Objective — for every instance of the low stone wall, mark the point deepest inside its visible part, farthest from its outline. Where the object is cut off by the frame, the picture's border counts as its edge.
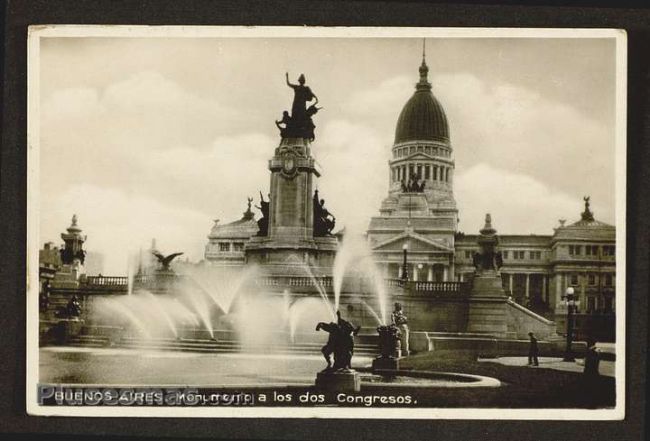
(487, 347)
(425, 313)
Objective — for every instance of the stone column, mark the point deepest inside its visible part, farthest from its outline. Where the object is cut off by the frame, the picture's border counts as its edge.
(510, 282)
(583, 297)
(415, 272)
(558, 290)
(430, 274)
(527, 286)
(445, 274)
(544, 293)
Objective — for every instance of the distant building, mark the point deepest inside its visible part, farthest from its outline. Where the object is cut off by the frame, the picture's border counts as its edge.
(537, 269)
(420, 215)
(226, 242)
(49, 262)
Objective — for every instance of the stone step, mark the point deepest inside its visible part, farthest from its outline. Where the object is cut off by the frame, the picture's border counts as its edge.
(200, 342)
(209, 346)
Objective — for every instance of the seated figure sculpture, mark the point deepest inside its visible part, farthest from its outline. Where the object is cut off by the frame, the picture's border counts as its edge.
(286, 120)
(324, 221)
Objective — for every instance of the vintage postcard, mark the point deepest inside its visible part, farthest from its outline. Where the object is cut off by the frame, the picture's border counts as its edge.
(326, 222)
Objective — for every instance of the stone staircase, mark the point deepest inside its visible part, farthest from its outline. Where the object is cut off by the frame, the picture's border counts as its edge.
(210, 346)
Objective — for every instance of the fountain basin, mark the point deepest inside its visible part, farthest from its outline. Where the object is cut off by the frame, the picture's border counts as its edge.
(433, 379)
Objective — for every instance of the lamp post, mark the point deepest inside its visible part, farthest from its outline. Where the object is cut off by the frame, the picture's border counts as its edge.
(405, 273)
(570, 304)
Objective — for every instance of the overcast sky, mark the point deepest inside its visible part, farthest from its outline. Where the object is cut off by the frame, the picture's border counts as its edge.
(152, 137)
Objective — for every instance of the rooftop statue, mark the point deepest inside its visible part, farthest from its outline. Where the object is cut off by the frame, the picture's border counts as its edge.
(587, 215)
(299, 124)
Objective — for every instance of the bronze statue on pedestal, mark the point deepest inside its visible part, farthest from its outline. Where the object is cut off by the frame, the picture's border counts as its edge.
(299, 124)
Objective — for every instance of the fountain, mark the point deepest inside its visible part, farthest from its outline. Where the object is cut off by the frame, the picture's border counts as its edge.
(291, 263)
(273, 300)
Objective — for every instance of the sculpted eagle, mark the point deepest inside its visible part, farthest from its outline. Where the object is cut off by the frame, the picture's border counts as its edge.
(165, 261)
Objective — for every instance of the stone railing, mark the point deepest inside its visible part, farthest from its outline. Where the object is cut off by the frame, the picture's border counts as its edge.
(160, 279)
(123, 281)
(106, 281)
(294, 281)
(424, 288)
(438, 286)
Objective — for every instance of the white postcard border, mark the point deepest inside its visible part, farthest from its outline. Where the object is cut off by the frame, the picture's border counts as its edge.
(36, 32)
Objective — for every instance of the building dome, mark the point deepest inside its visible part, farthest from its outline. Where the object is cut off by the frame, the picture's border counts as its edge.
(422, 118)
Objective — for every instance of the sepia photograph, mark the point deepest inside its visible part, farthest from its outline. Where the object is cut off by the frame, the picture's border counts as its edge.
(332, 222)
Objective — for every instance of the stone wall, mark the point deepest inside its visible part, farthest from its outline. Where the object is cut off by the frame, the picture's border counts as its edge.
(521, 321)
(443, 314)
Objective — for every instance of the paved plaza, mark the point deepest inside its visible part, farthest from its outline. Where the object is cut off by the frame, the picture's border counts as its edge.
(605, 367)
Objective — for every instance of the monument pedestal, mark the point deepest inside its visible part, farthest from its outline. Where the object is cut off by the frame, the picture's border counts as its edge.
(339, 381)
(487, 308)
(385, 363)
(290, 237)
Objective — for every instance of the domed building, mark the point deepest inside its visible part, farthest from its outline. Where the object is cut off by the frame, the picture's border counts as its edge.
(416, 238)
(420, 212)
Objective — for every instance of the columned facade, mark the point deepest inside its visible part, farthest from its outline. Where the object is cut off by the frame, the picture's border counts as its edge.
(419, 213)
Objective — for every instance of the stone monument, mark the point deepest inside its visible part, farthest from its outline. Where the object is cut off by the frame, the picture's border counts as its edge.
(72, 257)
(295, 226)
(487, 309)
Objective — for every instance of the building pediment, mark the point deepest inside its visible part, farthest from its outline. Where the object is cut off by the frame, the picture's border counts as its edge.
(415, 243)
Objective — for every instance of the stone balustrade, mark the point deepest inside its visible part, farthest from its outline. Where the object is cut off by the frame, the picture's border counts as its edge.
(422, 288)
(106, 281)
(294, 281)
